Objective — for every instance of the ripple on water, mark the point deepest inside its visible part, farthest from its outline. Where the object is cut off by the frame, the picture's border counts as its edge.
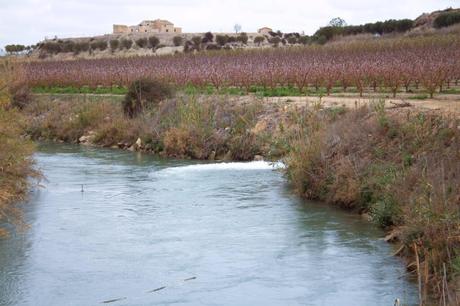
(144, 223)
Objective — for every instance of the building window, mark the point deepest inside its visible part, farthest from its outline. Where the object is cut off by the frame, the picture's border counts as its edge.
(145, 31)
(167, 30)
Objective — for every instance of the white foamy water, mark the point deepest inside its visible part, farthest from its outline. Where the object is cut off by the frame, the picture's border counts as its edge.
(243, 166)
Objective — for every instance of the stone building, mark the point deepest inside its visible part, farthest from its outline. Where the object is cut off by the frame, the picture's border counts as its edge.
(148, 26)
(264, 30)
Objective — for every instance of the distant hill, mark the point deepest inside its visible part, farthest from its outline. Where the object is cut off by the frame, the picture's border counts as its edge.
(138, 44)
(426, 20)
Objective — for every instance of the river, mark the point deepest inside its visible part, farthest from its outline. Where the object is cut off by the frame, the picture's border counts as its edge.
(112, 227)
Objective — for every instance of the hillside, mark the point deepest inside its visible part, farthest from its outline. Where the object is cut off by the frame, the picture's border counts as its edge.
(141, 44)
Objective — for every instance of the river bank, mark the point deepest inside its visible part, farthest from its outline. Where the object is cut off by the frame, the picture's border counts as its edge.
(16, 163)
(398, 167)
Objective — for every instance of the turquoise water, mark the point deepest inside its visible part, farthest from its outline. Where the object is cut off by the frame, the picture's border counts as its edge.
(147, 231)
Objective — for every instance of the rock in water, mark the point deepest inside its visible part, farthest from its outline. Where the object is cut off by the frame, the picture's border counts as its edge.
(139, 143)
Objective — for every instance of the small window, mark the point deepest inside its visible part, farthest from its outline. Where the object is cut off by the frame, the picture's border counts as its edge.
(167, 30)
(146, 31)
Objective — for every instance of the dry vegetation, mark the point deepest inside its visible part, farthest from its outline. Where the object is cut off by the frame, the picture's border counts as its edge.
(184, 127)
(15, 153)
(401, 168)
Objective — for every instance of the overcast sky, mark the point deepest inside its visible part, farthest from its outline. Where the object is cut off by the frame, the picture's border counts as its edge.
(29, 21)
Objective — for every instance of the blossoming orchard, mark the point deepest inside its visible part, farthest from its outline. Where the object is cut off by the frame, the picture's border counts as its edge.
(421, 63)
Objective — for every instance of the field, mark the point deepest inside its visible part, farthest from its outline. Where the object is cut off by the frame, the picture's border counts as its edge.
(418, 64)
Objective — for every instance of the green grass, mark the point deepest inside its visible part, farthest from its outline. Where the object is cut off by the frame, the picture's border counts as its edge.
(114, 90)
(419, 97)
(451, 91)
(259, 91)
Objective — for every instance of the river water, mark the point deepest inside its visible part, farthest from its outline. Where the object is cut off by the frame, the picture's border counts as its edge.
(147, 231)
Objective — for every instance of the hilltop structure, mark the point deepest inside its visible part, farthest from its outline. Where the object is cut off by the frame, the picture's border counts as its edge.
(264, 30)
(148, 26)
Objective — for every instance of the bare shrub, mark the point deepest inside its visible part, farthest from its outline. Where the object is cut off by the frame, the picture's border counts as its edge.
(143, 94)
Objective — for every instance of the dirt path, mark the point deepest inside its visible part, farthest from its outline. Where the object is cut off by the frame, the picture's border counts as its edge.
(445, 103)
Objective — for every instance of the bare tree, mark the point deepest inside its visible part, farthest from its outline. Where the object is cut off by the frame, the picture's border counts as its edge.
(237, 28)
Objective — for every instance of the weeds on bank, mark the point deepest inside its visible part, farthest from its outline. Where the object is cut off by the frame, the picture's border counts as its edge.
(16, 164)
(400, 167)
(184, 126)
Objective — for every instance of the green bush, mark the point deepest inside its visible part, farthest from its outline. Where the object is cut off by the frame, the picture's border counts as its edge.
(221, 39)
(142, 42)
(259, 39)
(275, 41)
(114, 44)
(68, 46)
(144, 94)
(153, 42)
(51, 47)
(304, 40)
(126, 44)
(197, 42)
(81, 47)
(243, 38)
(292, 40)
(177, 41)
(14, 48)
(99, 44)
(446, 19)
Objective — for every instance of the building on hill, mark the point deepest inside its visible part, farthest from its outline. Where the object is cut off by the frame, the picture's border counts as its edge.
(264, 30)
(148, 26)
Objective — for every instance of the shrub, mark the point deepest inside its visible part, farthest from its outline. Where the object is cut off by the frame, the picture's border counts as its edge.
(177, 41)
(114, 44)
(142, 42)
(304, 40)
(292, 40)
(144, 94)
(99, 44)
(208, 37)
(196, 42)
(243, 38)
(446, 19)
(188, 46)
(275, 41)
(81, 47)
(20, 95)
(213, 47)
(14, 48)
(153, 42)
(126, 43)
(259, 39)
(68, 46)
(222, 39)
(51, 47)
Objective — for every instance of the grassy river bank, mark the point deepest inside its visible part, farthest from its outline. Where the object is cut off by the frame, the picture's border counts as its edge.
(16, 164)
